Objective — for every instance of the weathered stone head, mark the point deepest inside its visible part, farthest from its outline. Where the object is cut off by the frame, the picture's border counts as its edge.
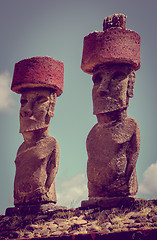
(39, 80)
(113, 86)
(37, 107)
(112, 57)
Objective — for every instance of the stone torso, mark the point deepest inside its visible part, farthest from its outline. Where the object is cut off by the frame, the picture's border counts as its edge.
(108, 148)
(36, 167)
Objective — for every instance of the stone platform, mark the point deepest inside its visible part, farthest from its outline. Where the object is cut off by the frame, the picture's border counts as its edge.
(28, 209)
(107, 203)
(134, 221)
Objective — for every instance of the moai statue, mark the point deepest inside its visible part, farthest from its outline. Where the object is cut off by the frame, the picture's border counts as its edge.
(39, 80)
(113, 144)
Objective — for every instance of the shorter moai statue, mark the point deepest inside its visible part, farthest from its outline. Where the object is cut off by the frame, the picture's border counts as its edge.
(39, 80)
(113, 144)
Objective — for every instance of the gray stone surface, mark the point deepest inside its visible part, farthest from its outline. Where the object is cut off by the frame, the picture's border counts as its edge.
(113, 143)
(37, 158)
(107, 203)
(28, 209)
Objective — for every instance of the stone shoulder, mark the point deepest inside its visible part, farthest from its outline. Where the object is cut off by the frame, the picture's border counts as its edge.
(121, 130)
(48, 141)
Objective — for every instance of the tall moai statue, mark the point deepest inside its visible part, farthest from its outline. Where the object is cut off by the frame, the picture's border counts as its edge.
(39, 80)
(113, 144)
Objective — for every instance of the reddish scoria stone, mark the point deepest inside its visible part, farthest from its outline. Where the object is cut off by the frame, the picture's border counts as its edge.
(38, 72)
(114, 45)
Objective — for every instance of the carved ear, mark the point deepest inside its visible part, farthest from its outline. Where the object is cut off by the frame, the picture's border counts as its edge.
(52, 104)
(131, 83)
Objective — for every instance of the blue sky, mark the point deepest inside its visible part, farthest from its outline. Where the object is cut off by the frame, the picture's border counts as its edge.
(56, 28)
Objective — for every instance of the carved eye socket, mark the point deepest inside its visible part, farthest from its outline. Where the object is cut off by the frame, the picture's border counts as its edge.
(97, 78)
(23, 102)
(41, 99)
(119, 76)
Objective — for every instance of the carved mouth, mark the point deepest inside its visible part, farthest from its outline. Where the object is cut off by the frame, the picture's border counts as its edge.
(27, 118)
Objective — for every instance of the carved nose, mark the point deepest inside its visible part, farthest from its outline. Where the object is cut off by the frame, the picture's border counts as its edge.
(26, 112)
(103, 92)
(103, 89)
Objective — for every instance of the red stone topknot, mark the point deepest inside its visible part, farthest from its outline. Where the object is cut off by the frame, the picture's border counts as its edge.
(115, 20)
(38, 72)
(114, 45)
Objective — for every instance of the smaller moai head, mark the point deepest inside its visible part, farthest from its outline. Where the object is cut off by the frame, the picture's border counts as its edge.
(37, 107)
(113, 86)
(40, 81)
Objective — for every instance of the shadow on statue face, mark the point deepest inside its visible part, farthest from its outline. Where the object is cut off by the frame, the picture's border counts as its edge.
(37, 106)
(110, 90)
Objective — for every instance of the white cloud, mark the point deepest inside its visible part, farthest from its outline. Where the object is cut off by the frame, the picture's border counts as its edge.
(148, 186)
(6, 96)
(72, 192)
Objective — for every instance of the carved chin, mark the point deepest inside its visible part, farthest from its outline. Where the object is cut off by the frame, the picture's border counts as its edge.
(109, 105)
(31, 125)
